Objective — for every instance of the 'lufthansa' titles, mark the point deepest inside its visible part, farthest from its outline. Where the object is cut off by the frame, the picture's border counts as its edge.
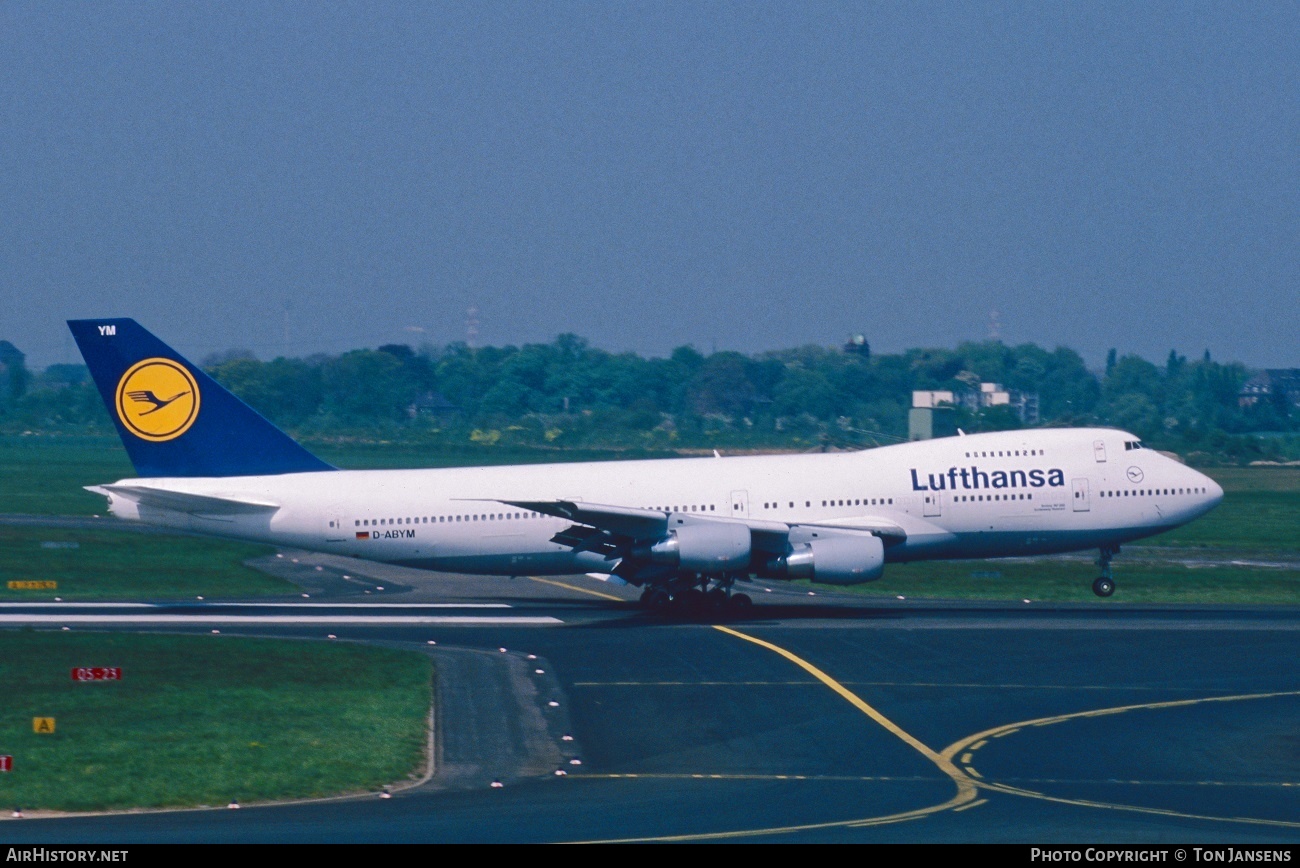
(972, 478)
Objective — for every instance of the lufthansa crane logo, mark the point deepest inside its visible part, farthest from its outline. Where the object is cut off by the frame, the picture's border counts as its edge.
(157, 399)
(1134, 474)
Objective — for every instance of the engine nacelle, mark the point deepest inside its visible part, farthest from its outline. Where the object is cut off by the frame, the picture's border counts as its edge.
(708, 547)
(834, 560)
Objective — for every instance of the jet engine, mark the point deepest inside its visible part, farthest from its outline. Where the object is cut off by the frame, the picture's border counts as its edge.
(710, 547)
(833, 560)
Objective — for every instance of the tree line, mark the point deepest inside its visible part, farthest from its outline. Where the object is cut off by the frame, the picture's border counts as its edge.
(569, 394)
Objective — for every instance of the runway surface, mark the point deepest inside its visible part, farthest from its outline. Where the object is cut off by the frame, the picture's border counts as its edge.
(816, 718)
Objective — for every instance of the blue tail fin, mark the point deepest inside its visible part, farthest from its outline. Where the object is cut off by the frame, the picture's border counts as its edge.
(174, 419)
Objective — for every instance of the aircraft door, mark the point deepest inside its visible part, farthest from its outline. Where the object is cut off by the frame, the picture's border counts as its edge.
(740, 504)
(1080, 495)
(932, 502)
(334, 525)
(1099, 451)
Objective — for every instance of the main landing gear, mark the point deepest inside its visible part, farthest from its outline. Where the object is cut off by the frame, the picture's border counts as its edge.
(693, 594)
(1104, 586)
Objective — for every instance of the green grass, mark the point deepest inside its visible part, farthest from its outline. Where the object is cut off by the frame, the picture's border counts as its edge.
(394, 456)
(1064, 581)
(201, 720)
(45, 475)
(1263, 520)
(122, 565)
(1260, 510)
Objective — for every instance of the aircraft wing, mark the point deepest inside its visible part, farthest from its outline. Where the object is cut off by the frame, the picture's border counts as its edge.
(614, 531)
(182, 501)
(626, 521)
(888, 530)
(642, 524)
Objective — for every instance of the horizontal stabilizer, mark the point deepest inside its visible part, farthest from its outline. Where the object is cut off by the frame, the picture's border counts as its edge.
(183, 501)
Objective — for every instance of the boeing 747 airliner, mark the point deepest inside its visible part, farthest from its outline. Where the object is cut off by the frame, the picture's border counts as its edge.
(686, 530)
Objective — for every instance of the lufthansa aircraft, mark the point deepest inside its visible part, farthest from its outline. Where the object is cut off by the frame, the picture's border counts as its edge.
(686, 530)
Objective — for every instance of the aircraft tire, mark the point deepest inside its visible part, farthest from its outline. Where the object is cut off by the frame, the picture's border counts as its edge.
(740, 604)
(655, 599)
(1103, 587)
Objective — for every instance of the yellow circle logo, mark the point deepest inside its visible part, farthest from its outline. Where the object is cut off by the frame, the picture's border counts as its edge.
(157, 399)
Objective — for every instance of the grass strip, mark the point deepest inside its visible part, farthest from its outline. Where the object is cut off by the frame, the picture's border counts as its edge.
(45, 475)
(114, 564)
(1070, 581)
(202, 720)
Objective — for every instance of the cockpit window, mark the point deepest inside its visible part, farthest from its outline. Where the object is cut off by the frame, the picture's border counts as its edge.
(1132, 444)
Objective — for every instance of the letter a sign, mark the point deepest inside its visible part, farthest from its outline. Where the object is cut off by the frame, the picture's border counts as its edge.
(43, 725)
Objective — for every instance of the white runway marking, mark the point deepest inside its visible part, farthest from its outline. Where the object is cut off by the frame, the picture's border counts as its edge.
(369, 605)
(72, 604)
(256, 620)
(366, 605)
(4, 606)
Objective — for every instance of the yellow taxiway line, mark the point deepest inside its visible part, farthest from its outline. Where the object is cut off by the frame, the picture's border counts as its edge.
(967, 791)
(972, 743)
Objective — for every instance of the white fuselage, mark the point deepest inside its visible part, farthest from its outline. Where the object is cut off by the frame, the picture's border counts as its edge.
(983, 495)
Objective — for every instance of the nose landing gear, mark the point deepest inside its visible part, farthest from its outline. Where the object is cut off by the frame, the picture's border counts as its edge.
(1104, 586)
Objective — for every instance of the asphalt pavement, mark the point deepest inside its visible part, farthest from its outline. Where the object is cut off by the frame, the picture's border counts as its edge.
(814, 718)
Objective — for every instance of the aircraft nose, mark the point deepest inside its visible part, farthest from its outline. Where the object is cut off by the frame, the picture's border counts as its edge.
(1213, 491)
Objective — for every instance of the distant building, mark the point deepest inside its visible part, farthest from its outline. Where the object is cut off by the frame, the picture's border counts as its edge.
(13, 373)
(926, 419)
(433, 404)
(933, 400)
(858, 346)
(1265, 384)
(931, 415)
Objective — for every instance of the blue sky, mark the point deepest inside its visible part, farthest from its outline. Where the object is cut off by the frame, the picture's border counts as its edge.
(312, 177)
